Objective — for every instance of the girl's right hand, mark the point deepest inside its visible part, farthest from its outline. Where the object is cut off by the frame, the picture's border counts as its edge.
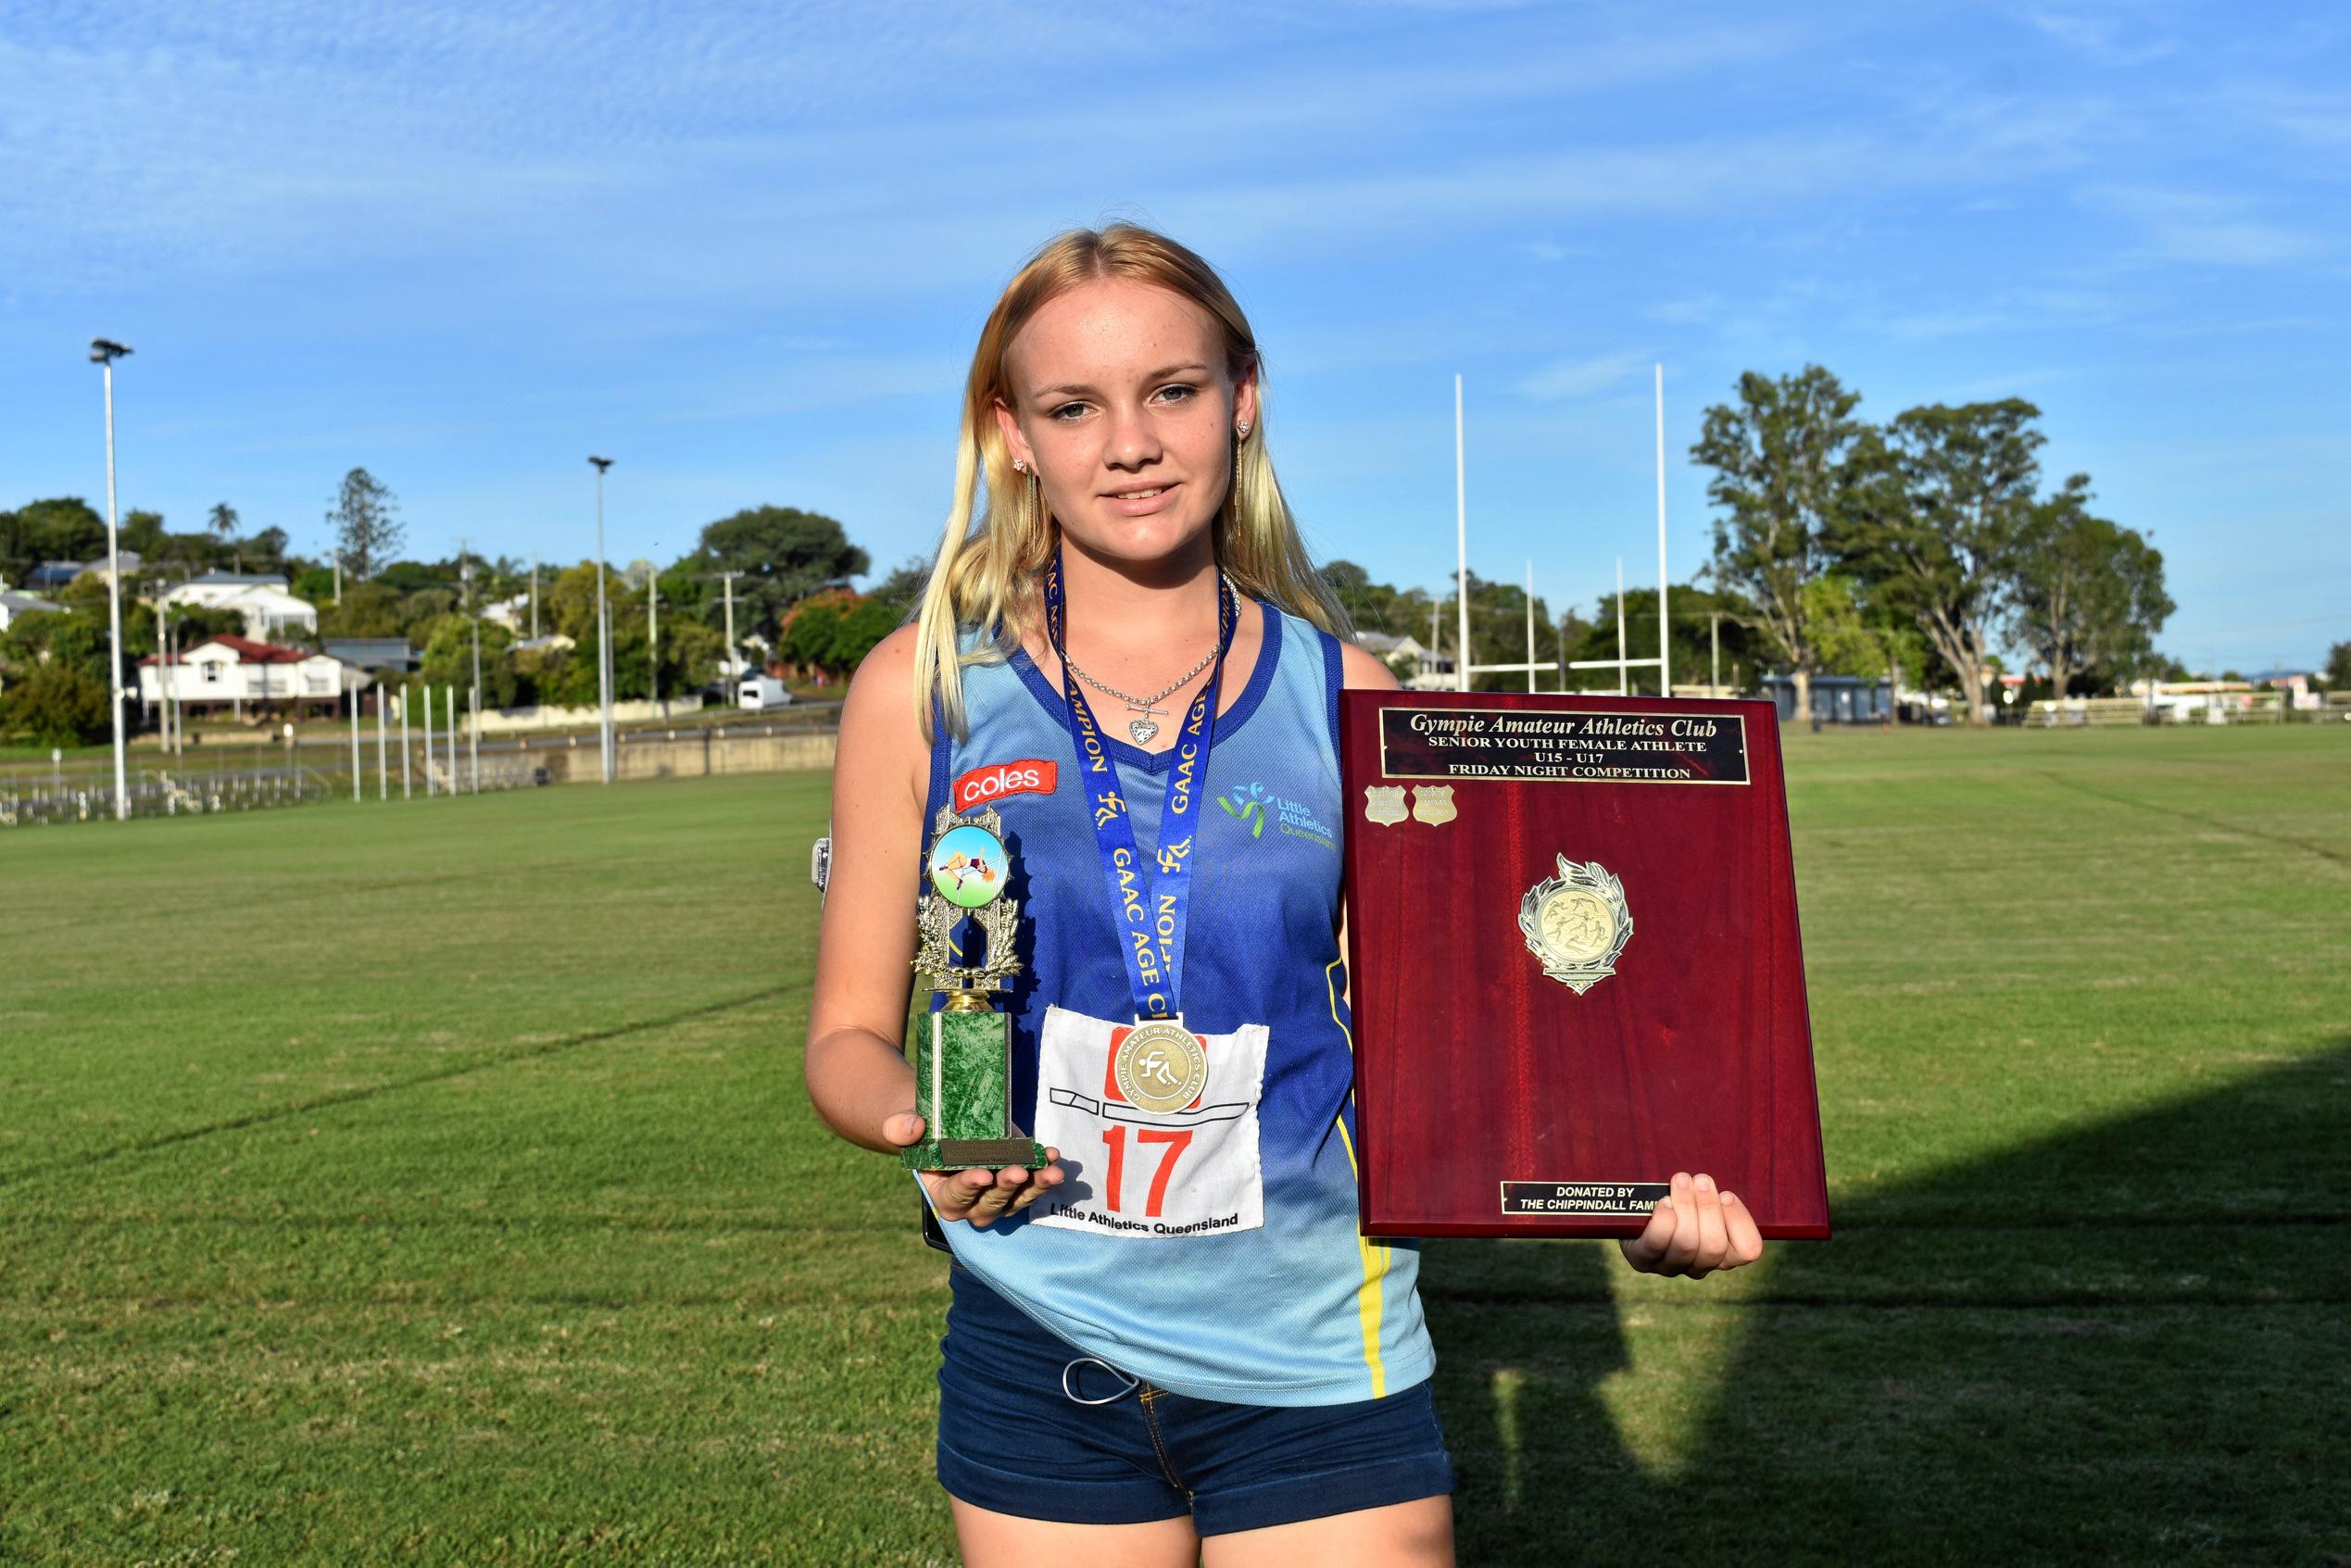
(978, 1195)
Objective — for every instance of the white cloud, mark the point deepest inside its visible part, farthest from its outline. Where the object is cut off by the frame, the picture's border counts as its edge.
(2198, 227)
(1581, 378)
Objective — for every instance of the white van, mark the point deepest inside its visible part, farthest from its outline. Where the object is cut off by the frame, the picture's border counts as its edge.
(757, 694)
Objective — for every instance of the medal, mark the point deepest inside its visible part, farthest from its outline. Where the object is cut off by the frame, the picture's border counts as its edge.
(1160, 1066)
(1149, 895)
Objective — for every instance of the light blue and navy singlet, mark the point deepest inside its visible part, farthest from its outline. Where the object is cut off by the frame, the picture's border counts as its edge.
(1304, 1310)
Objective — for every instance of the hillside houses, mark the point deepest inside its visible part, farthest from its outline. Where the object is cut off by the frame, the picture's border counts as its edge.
(235, 672)
(261, 598)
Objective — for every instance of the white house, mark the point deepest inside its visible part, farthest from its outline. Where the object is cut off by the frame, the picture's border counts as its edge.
(13, 603)
(232, 672)
(261, 598)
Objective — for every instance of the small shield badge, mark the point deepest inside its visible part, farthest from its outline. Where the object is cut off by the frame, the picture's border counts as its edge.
(1433, 803)
(1384, 804)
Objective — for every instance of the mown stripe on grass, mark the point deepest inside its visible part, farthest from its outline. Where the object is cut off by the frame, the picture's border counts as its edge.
(346, 1097)
(2219, 825)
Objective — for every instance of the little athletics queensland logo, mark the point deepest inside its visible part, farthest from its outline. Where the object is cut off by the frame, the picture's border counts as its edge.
(1256, 806)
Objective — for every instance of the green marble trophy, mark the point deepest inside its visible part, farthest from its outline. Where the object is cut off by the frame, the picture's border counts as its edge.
(963, 1052)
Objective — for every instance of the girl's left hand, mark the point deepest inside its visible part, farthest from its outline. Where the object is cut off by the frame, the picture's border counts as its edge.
(1694, 1231)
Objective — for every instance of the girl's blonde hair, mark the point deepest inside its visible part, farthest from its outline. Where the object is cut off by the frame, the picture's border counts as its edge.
(989, 561)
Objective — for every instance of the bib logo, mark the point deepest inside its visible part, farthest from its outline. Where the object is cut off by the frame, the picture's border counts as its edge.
(1255, 806)
(1030, 777)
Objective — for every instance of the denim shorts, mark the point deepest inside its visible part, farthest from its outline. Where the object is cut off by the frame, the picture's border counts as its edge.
(1031, 1425)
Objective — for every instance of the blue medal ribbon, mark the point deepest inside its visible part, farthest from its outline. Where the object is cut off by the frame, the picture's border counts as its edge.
(1148, 906)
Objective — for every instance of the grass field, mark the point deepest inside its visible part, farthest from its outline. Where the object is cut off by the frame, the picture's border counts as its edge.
(434, 1183)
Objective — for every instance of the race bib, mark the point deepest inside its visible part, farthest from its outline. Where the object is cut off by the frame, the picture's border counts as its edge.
(1190, 1169)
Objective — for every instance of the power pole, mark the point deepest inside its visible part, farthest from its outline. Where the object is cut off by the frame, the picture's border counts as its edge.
(653, 632)
(734, 665)
(162, 678)
(534, 598)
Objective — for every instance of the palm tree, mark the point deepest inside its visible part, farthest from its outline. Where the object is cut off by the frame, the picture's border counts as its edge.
(224, 522)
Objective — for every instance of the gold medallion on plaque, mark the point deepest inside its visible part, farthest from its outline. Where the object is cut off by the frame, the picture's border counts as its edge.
(1384, 804)
(1160, 1066)
(1577, 924)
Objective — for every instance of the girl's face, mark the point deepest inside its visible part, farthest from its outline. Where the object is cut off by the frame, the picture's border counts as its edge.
(1124, 408)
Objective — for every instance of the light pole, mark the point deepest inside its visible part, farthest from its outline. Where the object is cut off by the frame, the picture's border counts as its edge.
(106, 352)
(603, 627)
(653, 629)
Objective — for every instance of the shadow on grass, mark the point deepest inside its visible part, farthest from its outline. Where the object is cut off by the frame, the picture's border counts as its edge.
(2128, 1343)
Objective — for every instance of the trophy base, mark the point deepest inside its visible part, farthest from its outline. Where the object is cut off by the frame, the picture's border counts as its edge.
(973, 1154)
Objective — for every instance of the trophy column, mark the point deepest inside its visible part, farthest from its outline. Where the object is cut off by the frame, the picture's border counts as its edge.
(963, 1052)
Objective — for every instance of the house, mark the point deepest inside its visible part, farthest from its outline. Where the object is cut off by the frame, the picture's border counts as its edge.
(513, 614)
(1836, 699)
(260, 598)
(373, 654)
(233, 672)
(13, 603)
(1420, 668)
(53, 575)
(552, 643)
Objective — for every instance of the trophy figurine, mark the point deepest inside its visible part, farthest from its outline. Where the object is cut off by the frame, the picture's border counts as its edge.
(964, 1052)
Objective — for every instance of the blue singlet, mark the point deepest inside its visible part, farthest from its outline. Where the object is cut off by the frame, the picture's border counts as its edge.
(1302, 1310)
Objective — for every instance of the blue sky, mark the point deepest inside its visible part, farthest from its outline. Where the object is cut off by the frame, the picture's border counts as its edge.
(746, 251)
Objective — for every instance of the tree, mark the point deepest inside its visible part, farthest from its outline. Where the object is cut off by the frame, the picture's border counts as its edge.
(785, 555)
(1376, 606)
(1938, 538)
(61, 528)
(366, 610)
(58, 638)
(903, 589)
(1696, 632)
(264, 548)
(365, 517)
(2338, 672)
(1789, 462)
(223, 521)
(143, 531)
(55, 705)
(2087, 592)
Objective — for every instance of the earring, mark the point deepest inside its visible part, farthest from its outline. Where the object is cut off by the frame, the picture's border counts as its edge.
(1244, 430)
(1020, 465)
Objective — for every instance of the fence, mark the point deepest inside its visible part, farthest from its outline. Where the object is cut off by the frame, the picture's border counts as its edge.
(2192, 707)
(386, 774)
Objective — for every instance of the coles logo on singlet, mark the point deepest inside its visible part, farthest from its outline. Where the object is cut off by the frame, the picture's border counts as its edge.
(1031, 776)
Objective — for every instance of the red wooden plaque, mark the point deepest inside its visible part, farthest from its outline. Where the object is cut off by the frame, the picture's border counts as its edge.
(1572, 942)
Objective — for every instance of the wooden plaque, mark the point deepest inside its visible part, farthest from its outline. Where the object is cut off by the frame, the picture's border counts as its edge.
(1575, 964)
